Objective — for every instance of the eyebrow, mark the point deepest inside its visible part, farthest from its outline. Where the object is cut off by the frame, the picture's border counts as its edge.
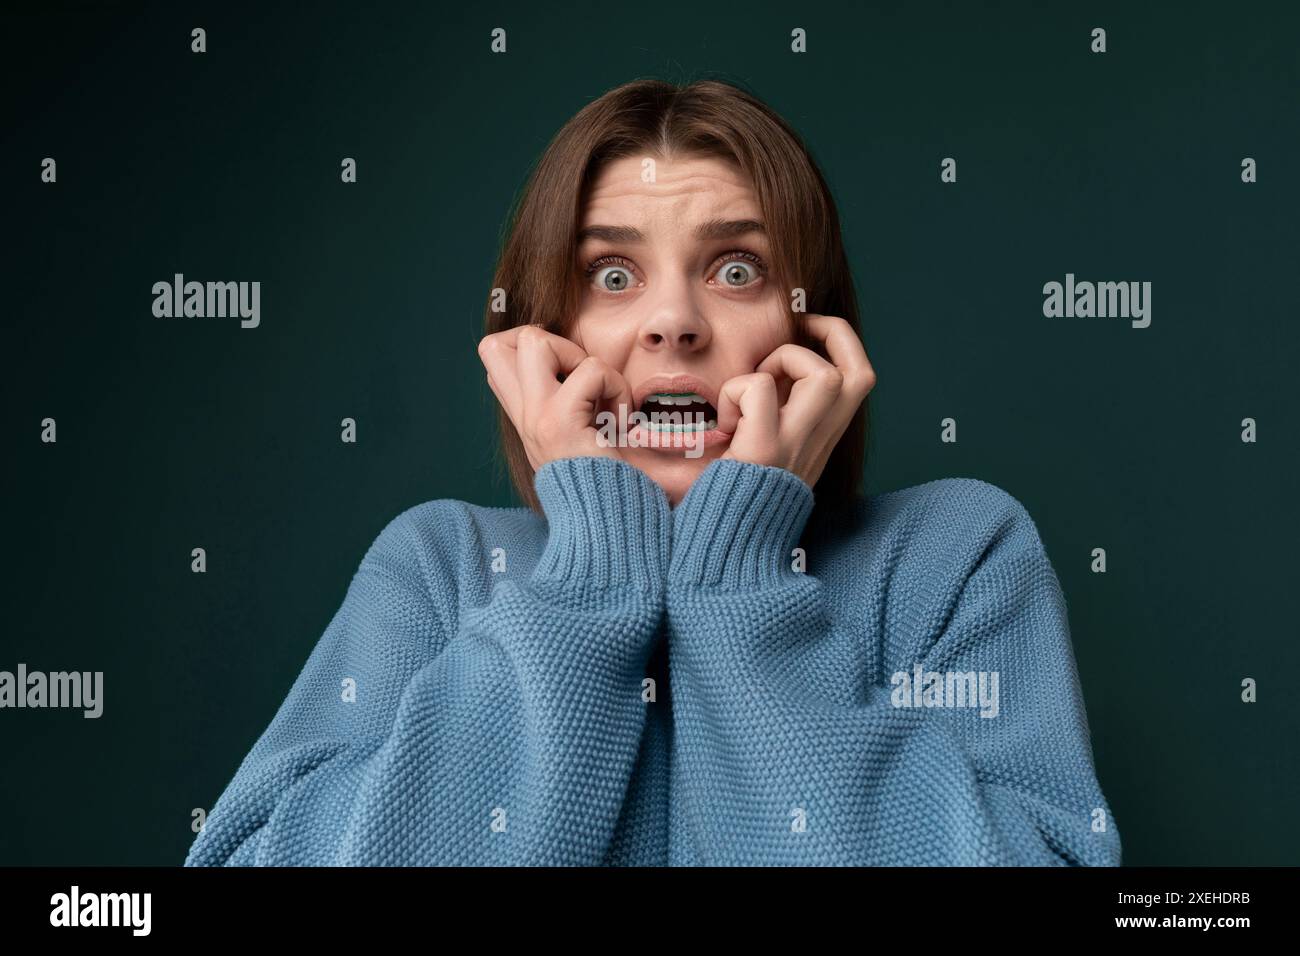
(710, 230)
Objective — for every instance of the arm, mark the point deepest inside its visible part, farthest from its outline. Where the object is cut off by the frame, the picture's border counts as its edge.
(526, 713)
(774, 729)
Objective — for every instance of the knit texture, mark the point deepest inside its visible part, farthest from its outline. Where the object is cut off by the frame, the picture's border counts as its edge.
(619, 682)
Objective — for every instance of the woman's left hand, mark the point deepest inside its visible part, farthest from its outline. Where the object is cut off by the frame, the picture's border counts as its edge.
(800, 435)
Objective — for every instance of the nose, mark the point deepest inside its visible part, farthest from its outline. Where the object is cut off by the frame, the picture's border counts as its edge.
(674, 323)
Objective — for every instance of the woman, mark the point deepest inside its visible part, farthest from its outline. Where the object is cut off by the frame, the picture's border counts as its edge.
(672, 657)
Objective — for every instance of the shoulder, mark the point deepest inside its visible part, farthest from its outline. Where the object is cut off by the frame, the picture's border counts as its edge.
(444, 549)
(969, 535)
(957, 556)
(972, 544)
(447, 527)
(919, 548)
(957, 511)
(934, 516)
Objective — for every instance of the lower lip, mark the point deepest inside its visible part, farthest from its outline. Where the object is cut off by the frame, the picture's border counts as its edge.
(675, 442)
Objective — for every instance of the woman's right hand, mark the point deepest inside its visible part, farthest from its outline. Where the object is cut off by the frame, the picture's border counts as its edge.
(554, 420)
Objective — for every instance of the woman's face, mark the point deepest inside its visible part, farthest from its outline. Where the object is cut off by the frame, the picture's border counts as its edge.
(676, 298)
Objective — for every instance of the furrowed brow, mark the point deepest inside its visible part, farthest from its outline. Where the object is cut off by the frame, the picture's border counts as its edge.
(610, 234)
(711, 230)
(727, 228)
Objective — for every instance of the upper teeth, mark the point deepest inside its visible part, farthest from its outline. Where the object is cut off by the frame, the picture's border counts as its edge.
(676, 398)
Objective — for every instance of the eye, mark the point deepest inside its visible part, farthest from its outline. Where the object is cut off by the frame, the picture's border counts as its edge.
(613, 278)
(739, 269)
(611, 274)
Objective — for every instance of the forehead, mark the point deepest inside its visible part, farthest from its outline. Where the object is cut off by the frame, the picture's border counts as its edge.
(684, 190)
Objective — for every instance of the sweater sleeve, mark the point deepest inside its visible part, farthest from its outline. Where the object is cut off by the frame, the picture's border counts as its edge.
(800, 754)
(505, 734)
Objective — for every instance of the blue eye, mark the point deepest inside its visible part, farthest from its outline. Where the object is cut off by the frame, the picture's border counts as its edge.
(613, 278)
(611, 274)
(736, 273)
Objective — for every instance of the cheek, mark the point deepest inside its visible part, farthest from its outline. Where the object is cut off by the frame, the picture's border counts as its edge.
(749, 342)
(779, 331)
(608, 341)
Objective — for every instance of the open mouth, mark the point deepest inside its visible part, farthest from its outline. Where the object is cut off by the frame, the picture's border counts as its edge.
(679, 412)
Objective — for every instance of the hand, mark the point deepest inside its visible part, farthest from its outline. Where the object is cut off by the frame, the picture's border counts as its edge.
(800, 435)
(554, 420)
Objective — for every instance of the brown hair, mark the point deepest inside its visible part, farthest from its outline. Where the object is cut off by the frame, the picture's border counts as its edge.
(537, 266)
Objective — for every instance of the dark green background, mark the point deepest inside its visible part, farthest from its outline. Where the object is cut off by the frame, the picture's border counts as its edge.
(177, 433)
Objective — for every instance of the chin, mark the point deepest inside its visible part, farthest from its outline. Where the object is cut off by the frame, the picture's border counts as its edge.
(671, 470)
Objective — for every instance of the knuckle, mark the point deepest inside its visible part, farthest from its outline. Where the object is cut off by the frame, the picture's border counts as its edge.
(856, 384)
(831, 379)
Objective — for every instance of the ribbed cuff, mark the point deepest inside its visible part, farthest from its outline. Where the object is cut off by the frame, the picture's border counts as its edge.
(609, 525)
(738, 525)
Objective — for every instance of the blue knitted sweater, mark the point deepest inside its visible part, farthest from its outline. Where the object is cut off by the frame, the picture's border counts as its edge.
(731, 681)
